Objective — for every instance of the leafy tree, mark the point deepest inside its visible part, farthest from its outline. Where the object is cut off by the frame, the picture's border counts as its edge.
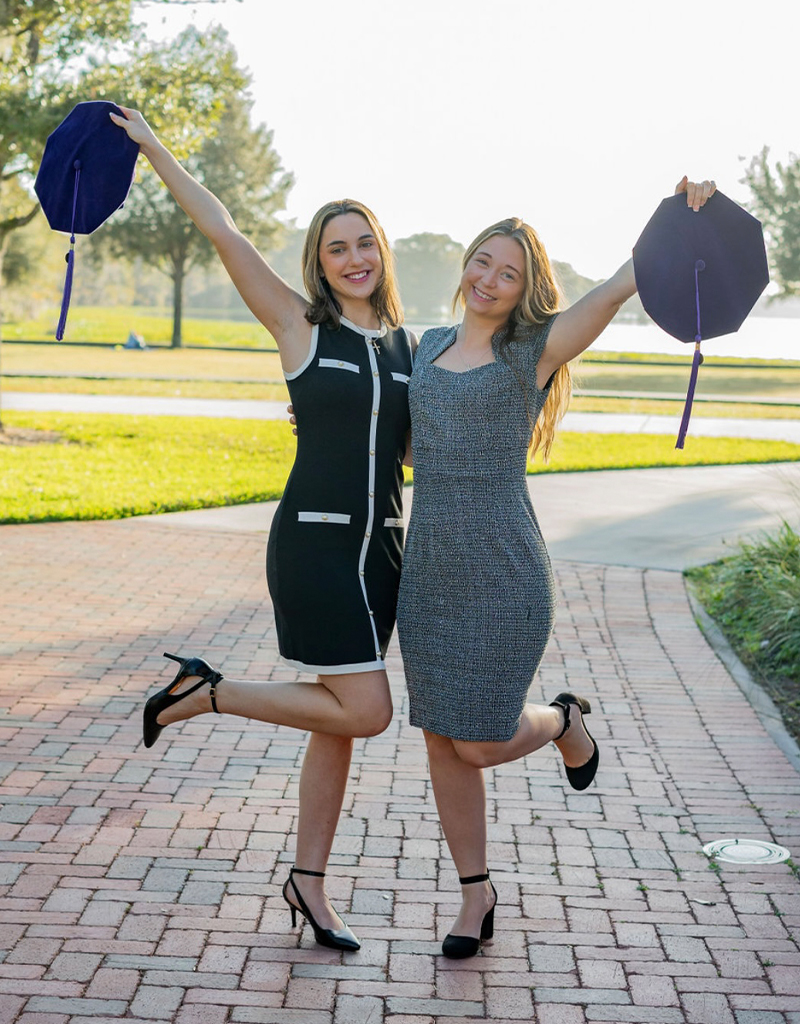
(428, 269)
(285, 255)
(239, 165)
(776, 202)
(48, 51)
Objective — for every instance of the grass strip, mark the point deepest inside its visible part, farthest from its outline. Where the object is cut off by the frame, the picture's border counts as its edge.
(754, 596)
(109, 467)
(263, 391)
(276, 391)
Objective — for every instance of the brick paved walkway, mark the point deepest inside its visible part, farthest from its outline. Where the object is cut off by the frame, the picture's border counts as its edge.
(144, 885)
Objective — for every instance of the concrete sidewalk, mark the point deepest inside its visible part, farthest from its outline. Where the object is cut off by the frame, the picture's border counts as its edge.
(623, 423)
(145, 884)
(648, 518)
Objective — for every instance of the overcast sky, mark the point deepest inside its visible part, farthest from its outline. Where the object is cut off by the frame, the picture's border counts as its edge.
(578, 115)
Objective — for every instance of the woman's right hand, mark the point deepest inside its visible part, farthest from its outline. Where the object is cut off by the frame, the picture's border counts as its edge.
(139, 131)
(292, 418)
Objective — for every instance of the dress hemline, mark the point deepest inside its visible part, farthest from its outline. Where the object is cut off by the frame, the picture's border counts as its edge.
(336, 670)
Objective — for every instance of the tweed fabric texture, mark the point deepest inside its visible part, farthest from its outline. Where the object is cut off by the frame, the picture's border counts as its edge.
(476, 600)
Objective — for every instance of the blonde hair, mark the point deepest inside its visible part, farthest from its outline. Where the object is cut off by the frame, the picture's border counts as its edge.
(323, 307)
(540, 300)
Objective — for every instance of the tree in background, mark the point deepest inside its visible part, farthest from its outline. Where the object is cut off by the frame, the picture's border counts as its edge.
(776, 203)
(235, 160)
(285, 256)
(428, 269)
(49, 51)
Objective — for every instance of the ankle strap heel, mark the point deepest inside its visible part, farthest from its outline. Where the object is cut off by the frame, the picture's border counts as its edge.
(342, 938)
(459, 947)
(581, 777)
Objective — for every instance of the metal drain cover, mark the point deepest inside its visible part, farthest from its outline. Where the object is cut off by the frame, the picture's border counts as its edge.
(746, 851)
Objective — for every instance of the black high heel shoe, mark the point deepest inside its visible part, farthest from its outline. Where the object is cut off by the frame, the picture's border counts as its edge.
(459, 947)
(151, 730)
(341, 939)
(583, 775)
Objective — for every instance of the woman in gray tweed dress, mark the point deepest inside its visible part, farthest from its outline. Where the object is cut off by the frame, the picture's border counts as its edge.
(476, 596)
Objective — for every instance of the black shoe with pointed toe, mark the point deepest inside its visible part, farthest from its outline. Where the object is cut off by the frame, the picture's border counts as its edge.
(165, 698)
(459, 947)
(341, 938)
(582, 776)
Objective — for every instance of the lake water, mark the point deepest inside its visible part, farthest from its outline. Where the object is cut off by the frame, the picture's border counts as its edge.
(759, 337)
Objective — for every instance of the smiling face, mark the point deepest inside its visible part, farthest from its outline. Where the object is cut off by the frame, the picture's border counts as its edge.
(350, 258)
(493, 281)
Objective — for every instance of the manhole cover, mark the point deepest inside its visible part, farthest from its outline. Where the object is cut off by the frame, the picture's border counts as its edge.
(746, 851)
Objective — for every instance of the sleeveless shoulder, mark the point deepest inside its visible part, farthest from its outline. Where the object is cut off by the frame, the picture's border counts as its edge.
(526, 349)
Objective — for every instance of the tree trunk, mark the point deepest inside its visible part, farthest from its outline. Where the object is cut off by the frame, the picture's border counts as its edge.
(2, 256)
(178, 274)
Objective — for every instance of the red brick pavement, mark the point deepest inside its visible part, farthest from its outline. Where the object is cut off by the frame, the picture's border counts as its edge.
(145, 885)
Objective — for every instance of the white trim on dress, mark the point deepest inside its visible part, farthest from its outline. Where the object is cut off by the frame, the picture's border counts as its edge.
(323, 517)
(373, 434)
(339, 364)
(336, 670)
(309, 358)
(366, 332)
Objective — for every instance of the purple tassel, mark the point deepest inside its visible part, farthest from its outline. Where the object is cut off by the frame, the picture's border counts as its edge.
(62, 320)
(687, 409)
(70, 258)
(696, 362)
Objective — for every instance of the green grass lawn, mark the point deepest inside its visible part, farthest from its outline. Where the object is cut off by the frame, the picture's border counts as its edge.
(132, 364)
(745, 381)
(108, 467)
(114, 323)
(205, 373)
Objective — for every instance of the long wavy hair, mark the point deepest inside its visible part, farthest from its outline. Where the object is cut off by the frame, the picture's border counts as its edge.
(323, 307)
(540, 300)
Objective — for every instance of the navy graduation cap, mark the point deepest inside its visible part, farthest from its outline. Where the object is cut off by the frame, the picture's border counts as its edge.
(85, 176)
(700, 273)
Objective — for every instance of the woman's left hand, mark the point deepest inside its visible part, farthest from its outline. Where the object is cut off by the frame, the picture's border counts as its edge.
(697, 192)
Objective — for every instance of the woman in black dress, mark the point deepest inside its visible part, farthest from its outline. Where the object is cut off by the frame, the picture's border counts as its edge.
(335, 546)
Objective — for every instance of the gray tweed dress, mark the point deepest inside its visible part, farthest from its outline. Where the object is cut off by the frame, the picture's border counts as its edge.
(476, 600)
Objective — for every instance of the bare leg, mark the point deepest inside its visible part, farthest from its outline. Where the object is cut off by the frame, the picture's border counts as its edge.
(539, 725)
(461, 801)
(322, 787)
(356, 704)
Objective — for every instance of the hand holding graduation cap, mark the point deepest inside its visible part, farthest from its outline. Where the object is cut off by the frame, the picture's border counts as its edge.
(697, 193)
(139, 131)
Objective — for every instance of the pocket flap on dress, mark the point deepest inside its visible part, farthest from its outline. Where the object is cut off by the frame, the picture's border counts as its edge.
(390, 521)
(323, 517)
(339, 364)
(402, 377)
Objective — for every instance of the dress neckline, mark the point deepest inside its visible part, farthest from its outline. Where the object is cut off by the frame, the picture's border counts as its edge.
(450, 341)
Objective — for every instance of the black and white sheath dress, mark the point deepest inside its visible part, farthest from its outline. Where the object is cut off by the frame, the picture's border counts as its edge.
(336, 543)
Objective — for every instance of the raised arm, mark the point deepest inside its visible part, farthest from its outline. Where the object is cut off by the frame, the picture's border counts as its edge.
(578, 326)
(278, 306)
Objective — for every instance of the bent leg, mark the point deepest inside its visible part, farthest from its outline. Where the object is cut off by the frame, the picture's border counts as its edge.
(354, 704)
(322, 787)
(539, 725)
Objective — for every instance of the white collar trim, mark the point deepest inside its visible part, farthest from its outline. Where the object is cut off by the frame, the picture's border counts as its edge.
(364, 331)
